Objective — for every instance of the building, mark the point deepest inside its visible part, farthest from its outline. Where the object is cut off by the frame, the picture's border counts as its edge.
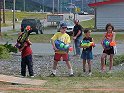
(109, 11)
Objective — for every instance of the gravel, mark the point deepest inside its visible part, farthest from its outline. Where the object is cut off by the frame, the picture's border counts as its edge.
(43, 65)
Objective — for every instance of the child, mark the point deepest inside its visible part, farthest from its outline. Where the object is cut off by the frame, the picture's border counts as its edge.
(64, 37)
(87, 52)
(110, 36)
(26, 59)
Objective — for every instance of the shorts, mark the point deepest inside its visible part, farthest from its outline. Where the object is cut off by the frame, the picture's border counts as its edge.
(57, 57)
(110, 51)
(87, 55)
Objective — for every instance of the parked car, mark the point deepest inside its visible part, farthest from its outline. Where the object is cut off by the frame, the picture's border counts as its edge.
(83, 13)
(34, 23)
(70, 26)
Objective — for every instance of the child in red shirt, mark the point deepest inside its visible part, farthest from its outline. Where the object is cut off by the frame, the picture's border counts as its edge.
(26, 59)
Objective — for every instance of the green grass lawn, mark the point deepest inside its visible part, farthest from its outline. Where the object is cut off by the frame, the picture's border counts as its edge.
(45, 38)
(74, 84)
(20, 16)
(88, 24)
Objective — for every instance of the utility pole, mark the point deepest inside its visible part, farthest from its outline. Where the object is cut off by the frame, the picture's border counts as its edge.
(95, 15)
(13, 14)
(43, 6)
(24, 5)
(3, 11)
(82, 5)
(0, 17)
(71, 7)
(53, 7)
(58, 6)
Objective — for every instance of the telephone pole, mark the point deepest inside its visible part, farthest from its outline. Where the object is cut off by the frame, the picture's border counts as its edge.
(24, 5)
(13, 14)
(3, 11)
(53, 7)
(58, 6)
(0, 16)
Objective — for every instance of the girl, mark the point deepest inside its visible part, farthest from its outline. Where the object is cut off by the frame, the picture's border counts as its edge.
(110, 36)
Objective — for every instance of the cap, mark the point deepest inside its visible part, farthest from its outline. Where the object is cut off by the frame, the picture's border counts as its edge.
(63, 25)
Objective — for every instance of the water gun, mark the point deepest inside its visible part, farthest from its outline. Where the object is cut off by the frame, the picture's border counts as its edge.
(108, 44)
(23, 37)
(87, 43)
(62, 46)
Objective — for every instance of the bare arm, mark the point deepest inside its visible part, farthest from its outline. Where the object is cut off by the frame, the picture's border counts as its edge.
(114, 34)
(53, 44)
(102, 41)
(77, 34)
(29, 42)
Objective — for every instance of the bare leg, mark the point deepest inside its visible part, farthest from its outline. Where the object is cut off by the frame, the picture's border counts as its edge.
(84, 64)
(102, 61)
(54, 66)
(89, 65)
(111, 62)
(68, 64)
(69, 67)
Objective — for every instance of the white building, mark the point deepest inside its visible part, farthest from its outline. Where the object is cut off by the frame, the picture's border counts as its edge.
(109, 11)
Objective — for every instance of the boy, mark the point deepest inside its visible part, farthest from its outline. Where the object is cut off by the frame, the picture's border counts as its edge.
(87, 52)
(64, 37)
(26, 56)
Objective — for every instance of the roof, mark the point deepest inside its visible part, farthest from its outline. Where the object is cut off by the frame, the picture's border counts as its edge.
(105, 3)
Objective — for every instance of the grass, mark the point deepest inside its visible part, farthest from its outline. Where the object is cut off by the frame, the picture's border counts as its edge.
(20, 16)
(88, 24)
(70, 84)
(45, 38)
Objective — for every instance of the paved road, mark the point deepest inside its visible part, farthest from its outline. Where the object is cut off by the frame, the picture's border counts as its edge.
(46, 49)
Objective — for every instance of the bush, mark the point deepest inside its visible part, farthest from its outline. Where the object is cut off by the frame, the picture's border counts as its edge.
(4, 54)
(118, 59)
(10, 48)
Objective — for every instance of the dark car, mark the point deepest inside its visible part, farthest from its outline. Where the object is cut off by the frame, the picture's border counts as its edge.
(83, 13)
(34, 23)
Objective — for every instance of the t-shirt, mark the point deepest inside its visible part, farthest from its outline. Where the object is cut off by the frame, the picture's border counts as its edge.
(89, 39)
(62, 37)
(76, 29)
(26, 51)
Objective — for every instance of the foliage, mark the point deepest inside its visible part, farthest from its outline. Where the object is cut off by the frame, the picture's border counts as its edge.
(119, 59)
(4, 54)
(10, 48)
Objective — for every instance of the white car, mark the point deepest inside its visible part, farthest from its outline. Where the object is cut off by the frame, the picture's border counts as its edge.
(70, 26)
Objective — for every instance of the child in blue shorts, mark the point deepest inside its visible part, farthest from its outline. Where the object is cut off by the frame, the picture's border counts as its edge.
(87, 52)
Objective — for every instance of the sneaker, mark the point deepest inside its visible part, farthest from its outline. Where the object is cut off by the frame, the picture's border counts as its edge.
(90, 73)
(102, 71)
(110, 71)
(22, 76)
(52, 75)
(31, 76)
(71, 75)
(84, 74)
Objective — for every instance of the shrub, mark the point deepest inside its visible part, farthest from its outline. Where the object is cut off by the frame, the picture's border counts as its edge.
(4, 54)
(118, 59)
(10, 48)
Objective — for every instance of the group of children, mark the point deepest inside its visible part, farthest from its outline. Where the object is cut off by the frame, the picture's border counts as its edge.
(86, 55)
